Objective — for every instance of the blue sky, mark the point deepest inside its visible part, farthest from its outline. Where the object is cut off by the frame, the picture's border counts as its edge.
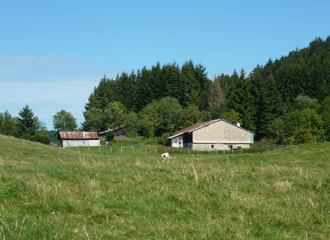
(53, 53)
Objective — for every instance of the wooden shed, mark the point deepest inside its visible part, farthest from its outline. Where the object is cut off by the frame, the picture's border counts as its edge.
(79, 139)
(217, 134)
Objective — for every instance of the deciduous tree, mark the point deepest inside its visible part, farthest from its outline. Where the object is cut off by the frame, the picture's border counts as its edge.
(64, 121)
(7, 124)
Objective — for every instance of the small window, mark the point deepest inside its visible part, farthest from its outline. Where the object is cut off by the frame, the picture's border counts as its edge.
(212, 146)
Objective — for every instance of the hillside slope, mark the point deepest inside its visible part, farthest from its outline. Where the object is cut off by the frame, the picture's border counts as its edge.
(51, 193)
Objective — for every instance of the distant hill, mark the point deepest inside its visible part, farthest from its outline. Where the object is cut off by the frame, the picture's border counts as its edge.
(305, 71)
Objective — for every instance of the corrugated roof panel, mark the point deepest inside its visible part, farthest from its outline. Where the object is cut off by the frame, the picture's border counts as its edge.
(78, 135)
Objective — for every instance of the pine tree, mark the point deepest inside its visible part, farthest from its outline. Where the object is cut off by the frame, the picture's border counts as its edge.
(244, 102)
(172, 74)
(125, 90)
(27, 123)
(271, 106)
(144, 86)
(158, 81)
(189, 89)
(258, 92)
(204, 86)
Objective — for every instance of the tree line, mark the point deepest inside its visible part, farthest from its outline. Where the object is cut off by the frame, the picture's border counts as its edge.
(28, 126)
(286, 99)
(189, 84)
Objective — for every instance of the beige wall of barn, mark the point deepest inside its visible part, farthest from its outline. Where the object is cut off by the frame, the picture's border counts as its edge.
(220, 147)
(221, 132)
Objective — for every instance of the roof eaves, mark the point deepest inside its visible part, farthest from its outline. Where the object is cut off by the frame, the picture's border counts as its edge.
(205, 125)
(175, 135)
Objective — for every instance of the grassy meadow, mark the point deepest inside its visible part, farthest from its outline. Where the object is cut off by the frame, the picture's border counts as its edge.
(128, 193)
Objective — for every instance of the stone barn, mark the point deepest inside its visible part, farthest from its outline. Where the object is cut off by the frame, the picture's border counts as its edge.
(217, 134)
(79, 139)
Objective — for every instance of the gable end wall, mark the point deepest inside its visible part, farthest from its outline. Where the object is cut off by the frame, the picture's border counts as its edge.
(222, 132)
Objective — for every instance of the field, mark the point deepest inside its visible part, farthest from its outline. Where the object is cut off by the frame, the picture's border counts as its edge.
(128, 193)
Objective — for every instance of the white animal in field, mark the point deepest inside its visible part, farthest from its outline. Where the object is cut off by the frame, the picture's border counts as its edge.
(166, 157)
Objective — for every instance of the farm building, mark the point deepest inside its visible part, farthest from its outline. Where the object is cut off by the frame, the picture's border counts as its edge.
(117, 131)
(79, 139)
(216, 134)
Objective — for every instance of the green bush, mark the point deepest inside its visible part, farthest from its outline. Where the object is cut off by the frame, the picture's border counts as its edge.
(109, 136)
(126, 140)
(303, 136)
(163, 139)
(289, 140)
(38, 137)
(103, 142)
(132, 134)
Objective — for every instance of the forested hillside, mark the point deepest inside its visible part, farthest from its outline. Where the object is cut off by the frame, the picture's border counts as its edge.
(286, 99)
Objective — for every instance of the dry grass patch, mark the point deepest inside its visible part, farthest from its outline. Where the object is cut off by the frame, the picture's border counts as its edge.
(283, 186)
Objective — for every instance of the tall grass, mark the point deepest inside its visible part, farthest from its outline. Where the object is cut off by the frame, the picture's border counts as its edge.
(127, 193)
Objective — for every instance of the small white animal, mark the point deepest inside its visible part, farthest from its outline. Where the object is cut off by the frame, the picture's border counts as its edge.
(166, 157)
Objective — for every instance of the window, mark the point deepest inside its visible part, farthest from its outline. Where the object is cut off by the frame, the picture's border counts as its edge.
(212, 146)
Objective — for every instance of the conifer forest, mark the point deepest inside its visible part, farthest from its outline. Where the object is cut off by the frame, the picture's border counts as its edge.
(287, 99)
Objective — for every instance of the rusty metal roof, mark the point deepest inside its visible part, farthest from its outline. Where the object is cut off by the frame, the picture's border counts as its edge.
(78, 135)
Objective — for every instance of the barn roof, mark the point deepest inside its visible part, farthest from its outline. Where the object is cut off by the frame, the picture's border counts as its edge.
(190, 128)
(197, 126)
(111, 130)
(78, 135)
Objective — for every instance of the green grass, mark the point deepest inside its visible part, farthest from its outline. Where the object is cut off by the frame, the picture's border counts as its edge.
(127, 193)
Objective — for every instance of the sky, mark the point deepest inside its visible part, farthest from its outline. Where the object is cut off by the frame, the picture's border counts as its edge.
(53, 53)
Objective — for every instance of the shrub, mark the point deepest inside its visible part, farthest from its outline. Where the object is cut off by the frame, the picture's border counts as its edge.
(103, 142)
(125, 140)
(109, 136)
(38, 137)
(303, 136)
(163, 139)
(288, 140)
